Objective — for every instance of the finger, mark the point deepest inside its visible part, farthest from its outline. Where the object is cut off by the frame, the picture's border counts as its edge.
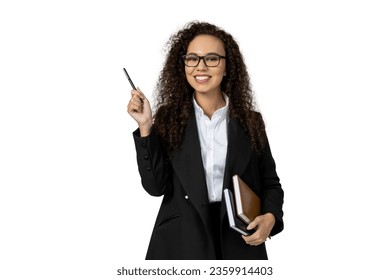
(135, 93)
(255, 244)
(139, 93)
(254, 241)
(134, 107)
(255, 223)
(249, 238)
(136, 100)
(142, 94)
(252, 225)
(254, 237)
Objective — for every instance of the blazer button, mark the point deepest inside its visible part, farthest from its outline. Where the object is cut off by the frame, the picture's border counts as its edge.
(146, 157)
(186, 197)
(148, 168)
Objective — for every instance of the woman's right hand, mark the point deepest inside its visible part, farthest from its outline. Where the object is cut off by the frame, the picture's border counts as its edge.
(139, 108)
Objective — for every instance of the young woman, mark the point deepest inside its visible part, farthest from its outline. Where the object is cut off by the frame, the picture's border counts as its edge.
(205, 130)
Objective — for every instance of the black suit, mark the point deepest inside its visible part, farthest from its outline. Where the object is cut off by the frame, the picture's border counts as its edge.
(182, 229)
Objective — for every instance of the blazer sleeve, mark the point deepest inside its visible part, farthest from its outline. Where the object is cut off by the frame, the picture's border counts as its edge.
(272, 193)
(153, 166)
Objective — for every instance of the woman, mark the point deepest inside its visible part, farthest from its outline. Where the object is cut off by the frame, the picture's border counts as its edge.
(205, 130)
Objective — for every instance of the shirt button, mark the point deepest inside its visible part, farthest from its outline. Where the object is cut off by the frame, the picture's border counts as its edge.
(186, 197)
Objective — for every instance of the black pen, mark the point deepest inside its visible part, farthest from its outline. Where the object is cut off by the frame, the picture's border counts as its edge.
(128, 77)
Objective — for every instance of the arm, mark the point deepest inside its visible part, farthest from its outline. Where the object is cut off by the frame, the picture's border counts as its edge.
(152, 165)
(272, 195)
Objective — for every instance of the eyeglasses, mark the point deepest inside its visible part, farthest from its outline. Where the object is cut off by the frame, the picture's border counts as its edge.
(210, 60)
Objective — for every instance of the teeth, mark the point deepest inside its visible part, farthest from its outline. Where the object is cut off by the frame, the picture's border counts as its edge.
(201, 78)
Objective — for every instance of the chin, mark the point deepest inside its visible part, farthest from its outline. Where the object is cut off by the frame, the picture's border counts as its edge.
(203, 89)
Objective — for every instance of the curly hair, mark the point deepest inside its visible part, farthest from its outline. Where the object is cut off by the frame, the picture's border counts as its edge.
(174, 93)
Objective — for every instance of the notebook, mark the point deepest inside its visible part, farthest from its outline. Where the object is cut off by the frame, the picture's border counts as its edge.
(247, 201)
(234, 222)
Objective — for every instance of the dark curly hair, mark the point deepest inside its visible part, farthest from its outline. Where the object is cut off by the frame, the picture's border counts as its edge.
(174, 93)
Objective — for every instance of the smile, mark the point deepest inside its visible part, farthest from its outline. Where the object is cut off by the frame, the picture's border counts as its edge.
(202, 79)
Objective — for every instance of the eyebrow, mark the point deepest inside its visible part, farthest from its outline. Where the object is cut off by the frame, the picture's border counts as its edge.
(205, 54)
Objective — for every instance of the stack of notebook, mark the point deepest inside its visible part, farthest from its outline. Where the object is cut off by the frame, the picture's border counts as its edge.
(242, 206)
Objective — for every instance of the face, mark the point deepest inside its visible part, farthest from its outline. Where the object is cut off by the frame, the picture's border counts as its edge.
(204, 79)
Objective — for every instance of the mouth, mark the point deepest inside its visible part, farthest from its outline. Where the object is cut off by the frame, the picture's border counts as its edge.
(202, 78)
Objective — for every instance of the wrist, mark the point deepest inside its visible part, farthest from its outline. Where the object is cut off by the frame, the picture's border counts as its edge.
(270, 217)
(145, 129)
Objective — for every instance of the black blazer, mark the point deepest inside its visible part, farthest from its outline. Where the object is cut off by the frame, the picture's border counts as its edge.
(182, 229)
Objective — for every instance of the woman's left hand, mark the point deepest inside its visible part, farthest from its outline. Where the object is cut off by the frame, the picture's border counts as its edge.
(264, 224)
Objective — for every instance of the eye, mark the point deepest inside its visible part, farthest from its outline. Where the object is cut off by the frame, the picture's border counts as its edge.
(212, 58)
(191, 58)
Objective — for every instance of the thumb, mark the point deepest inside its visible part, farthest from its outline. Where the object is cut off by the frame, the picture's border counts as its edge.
(252, 225)
(142, 95)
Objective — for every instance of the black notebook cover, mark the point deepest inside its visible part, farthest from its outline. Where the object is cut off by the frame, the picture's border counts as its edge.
(234, 221)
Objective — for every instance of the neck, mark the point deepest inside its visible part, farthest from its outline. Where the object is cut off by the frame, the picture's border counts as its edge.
(210, 102)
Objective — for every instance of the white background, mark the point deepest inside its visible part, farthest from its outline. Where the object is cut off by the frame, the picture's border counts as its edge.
(71, 202)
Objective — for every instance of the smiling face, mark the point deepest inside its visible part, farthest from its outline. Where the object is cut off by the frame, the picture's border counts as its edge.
(203, 79)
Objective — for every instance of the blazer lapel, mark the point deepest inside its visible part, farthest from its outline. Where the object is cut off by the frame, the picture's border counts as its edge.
(238, 154)
(239, 151)
(188, 166)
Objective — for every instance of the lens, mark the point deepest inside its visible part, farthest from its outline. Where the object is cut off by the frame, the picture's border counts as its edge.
(211, 60)
(191, 60)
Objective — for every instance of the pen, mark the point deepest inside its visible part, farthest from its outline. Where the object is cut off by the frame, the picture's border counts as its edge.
(128, 77)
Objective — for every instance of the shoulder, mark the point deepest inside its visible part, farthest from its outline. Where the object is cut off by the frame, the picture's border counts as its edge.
(257, 115)
(250, 121)
(250, 114)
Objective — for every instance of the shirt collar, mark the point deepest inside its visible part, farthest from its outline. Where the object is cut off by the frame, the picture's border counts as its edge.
(221, 112)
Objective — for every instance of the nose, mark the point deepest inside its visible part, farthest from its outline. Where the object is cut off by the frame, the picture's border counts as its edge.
(202, 64)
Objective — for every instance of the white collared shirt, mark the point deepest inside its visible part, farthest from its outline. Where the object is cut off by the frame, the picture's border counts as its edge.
(213, 143)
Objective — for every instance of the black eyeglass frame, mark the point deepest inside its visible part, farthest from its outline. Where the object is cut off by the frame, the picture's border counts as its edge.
(203, 58)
